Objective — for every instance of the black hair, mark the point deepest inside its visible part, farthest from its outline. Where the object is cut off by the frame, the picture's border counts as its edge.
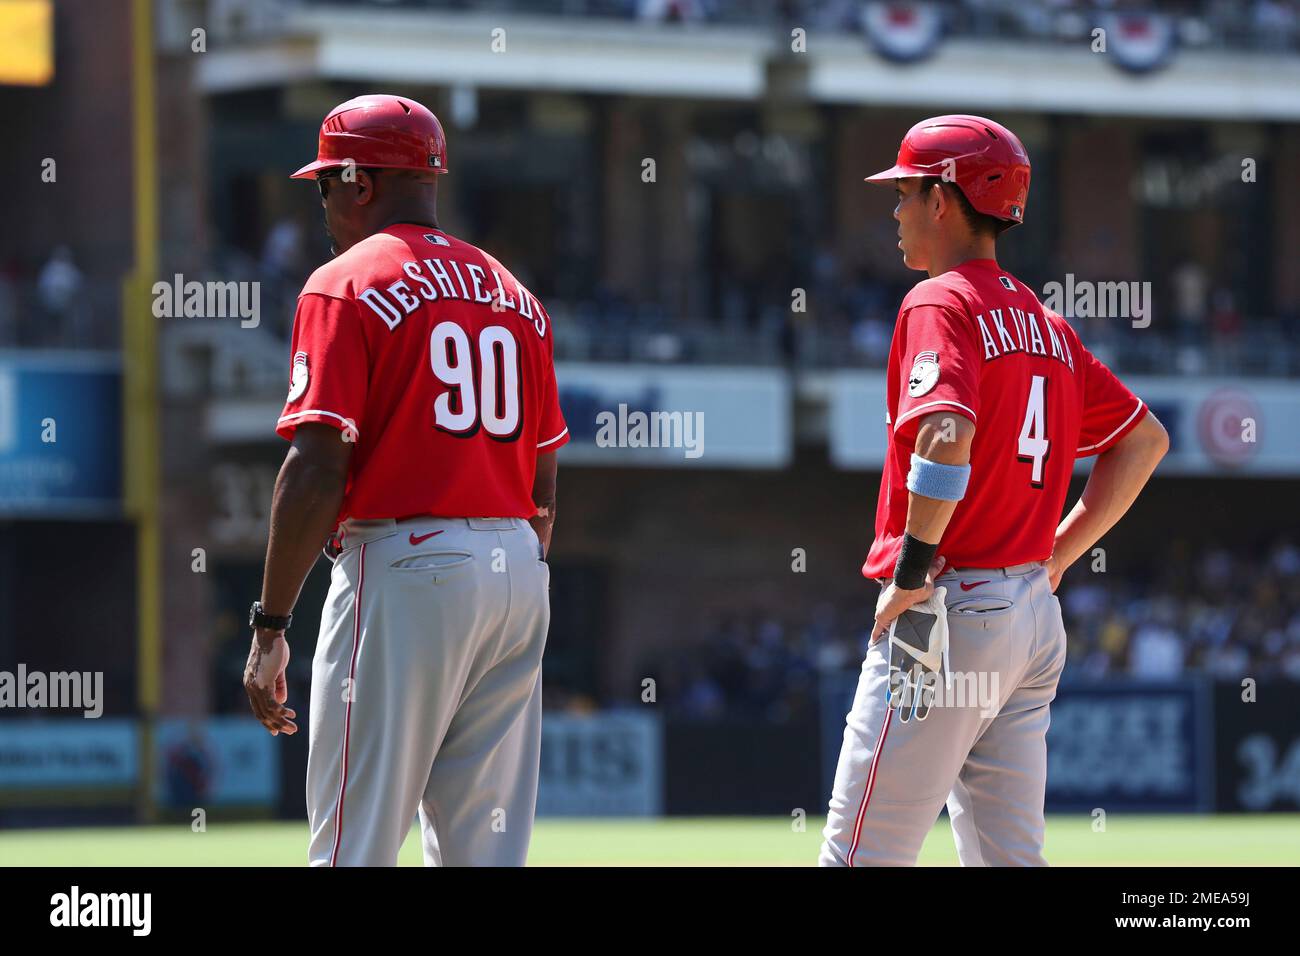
(980, 223)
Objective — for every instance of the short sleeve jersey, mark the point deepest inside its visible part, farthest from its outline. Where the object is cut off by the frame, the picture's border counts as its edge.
(976, 342)
(429, 355)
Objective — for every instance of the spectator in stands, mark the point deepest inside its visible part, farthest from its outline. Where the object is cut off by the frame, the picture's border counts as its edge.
(837, 15)
(1214, 568)
(871, 338)
(1275, 23)
(282, 253)
(677, 11)
(284, 268)
(1191, 289)
(1157, 650)
(59, 287)
(826, 274)
(9, 308)
(1285, 559)
(1225, 328)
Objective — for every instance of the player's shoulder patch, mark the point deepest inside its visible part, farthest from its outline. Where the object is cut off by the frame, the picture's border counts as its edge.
(1007, 283)
(436, 239)
(925, 374)
(298, 380)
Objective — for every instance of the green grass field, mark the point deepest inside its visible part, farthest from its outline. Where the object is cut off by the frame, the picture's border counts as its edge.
(1265, 840)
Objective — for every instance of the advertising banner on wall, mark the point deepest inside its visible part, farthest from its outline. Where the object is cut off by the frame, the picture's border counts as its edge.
(1130, 746)
(215, 762)
(1257, 747)
(676, 417)
(208, 762)
(603, 765)
(61, 753)
(60, 435)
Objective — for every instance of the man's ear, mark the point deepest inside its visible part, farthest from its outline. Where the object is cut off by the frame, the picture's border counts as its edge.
(365, 188)
(939, 200)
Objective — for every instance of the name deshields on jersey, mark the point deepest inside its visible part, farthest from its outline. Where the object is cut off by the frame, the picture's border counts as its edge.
(398, 300)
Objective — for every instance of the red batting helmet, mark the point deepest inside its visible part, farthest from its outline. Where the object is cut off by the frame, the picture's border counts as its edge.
(379, 130)
(985, 160)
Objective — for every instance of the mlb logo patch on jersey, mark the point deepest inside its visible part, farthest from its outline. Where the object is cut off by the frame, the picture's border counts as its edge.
(436, 239)
(1007, 283)
(298, 380)
(925, 374)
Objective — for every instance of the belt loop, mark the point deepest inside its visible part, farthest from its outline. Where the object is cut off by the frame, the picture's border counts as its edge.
(490, 524)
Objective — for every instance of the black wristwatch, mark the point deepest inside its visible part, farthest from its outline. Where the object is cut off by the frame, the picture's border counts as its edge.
(259, 618)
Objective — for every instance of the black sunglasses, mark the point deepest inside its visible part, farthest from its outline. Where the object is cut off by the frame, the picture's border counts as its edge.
(323, 177)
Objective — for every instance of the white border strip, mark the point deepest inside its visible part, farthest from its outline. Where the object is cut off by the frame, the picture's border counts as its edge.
(351, 425)
(1116, 431)
(552, 441)
(920, 408)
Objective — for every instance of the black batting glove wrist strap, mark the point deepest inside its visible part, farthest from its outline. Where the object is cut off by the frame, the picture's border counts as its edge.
(913, 563)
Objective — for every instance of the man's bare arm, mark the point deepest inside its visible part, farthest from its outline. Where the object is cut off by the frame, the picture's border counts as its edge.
(307, 496)
(1118, 475)
(308, 493)
(944, 437)
(544, 479)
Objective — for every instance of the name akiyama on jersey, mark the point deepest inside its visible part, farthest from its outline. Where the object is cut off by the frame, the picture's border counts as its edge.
(1028, 338)
(398, 300)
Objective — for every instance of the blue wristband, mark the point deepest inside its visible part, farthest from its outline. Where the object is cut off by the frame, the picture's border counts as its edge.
(932, 479)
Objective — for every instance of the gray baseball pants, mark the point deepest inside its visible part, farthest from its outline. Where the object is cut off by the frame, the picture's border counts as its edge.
(427, 693)
(982, 749)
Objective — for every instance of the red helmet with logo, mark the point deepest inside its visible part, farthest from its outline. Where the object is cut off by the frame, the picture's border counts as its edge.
(379, 130)
(983, 158)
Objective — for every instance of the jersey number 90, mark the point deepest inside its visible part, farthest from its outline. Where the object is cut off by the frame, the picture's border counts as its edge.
(493, 398)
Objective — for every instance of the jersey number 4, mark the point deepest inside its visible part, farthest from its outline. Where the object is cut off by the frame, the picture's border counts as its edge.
(1034, 446)
(493, 398)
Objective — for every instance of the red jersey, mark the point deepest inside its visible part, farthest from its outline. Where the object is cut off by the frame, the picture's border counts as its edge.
(439, 364)
(977, 342)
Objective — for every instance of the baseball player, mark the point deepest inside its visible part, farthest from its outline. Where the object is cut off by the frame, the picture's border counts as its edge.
(990, 399)
(424, 421)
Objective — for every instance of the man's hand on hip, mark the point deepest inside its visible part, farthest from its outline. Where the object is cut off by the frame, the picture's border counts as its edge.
(1054, 570)
(894, 600)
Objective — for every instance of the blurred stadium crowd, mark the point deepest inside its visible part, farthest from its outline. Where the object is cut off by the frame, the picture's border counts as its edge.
(1222, 612)
(53, 304)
